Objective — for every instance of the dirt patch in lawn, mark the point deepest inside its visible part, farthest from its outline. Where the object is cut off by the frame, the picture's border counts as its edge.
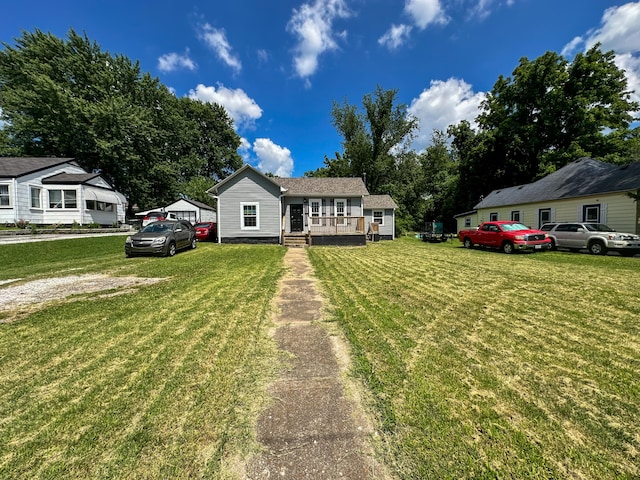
(16, 301)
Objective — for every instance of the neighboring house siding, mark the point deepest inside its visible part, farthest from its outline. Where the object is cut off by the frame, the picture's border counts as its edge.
(617, 210)
(186, 210)
(249, 188)
(466, 221)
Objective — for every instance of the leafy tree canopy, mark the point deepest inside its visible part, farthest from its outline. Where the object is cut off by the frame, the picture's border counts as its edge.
(68, 98)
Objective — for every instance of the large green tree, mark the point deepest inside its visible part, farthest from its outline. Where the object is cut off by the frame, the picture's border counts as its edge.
(372, 139)
(67, 97)
(550, 112)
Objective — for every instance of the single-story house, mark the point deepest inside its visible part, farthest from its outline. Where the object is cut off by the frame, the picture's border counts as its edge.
(48, 191)
(585, 190)
(256, 208)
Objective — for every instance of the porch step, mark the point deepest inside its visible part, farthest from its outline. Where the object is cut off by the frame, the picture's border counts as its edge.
(299, 241)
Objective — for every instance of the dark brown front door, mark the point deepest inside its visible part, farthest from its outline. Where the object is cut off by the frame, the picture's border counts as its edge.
(296, 217)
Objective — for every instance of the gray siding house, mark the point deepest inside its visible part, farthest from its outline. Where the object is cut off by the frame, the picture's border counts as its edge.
(585, 190)
(380, 216)
(47, 191)
(255, 208)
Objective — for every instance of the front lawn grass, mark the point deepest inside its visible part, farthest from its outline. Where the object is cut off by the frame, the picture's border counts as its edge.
(163, 382)
(486, 365)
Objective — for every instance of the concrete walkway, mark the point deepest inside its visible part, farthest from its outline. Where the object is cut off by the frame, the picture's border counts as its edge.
(312, 428)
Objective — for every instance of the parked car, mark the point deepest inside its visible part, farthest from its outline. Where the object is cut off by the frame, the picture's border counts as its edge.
(157, 217)
(206, 231)
(505, 235)
(161, 238)
(598, 238)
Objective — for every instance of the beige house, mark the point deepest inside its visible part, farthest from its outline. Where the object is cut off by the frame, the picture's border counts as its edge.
(586, 190)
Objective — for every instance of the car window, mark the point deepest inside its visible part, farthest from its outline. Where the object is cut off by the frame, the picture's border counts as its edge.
(547, 226)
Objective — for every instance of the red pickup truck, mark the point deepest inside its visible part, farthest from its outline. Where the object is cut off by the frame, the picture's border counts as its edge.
(505, 235)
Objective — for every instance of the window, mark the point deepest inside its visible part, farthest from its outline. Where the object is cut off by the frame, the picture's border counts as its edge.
(249, 213)
(378, 217)
(493, 216)
(544, 216)
(315, 210)
(62, 199)
(591, 213)
(340, 210)
(35, 197)
(515, 215)
(5, 199)
(467, 222)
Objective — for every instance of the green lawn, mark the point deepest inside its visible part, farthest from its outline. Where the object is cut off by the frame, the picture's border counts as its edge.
(485, 365)
(164, 382)
(477, 364)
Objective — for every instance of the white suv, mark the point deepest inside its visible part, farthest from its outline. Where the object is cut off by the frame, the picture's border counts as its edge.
(598, 238)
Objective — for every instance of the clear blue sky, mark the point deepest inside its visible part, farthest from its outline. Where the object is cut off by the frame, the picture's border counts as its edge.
(278, 65)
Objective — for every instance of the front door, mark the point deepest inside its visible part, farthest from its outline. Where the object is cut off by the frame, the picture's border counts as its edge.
(297, 218)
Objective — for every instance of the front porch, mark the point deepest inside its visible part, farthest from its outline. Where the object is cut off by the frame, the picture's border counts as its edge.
(333, 230)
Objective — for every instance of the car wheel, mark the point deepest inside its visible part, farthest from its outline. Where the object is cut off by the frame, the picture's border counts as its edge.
(171, 250)
(552, 245)
(507, 247)
(194, 243)
(468, 243)
(597, 248)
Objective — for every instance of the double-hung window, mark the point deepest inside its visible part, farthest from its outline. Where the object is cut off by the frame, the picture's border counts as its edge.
(250, 216)
(315, 210)
(340, 210)
(36, 197)
(5, 199)
(378, 217)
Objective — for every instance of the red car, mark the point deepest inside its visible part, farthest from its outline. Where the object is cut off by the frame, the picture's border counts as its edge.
(206, 231)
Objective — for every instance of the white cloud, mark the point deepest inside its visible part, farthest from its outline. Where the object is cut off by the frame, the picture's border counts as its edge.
(216, 39)
(442, 104)
(395, 36)
(425, 12)
(273, 158)
(312, 24)
(241, 108)
(244, 149)
(173, 61)
(619, 31)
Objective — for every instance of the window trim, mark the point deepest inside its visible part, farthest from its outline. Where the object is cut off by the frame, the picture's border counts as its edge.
(340, 219)
(63, 199)
(515, 215)
(373, 217)
(540, 212)
(243, 217)
(315, 219)
(6, 195)
(493, 217)
(32, 189)
(593, 206)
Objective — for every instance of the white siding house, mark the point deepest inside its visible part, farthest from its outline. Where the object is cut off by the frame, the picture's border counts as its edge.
(584, 190)
(47, 191)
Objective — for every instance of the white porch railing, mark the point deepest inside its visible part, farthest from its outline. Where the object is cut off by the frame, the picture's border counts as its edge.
(335, 225)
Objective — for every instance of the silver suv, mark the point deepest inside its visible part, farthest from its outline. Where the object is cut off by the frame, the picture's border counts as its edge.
(598, 238)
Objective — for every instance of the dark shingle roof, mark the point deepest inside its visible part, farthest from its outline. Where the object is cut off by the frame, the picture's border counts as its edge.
(581, 178)
(322, 186)
(14, 167)
(379, 201)
(70, 178)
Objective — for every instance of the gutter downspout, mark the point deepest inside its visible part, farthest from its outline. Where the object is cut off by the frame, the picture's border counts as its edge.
(217, 199)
